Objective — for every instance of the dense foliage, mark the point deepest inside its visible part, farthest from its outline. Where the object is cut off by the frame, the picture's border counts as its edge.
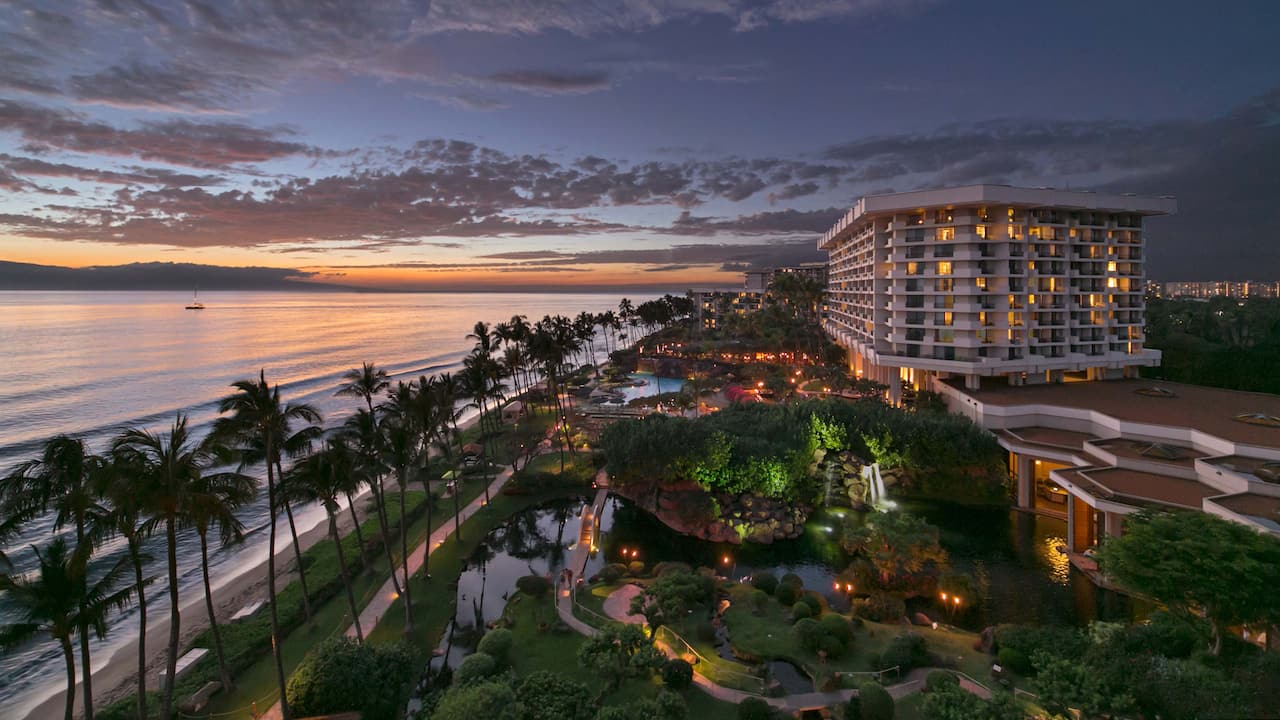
(767, 449)
(894, 552)
(871, 703)
(1221, 342)
(340, 675)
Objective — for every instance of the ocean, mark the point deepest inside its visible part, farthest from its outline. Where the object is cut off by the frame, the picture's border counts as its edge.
(91, 363)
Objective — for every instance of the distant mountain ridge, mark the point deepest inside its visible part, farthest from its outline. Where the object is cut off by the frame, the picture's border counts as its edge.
(159, 276)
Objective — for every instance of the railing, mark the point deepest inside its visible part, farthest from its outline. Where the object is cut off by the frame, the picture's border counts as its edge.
(718, 670)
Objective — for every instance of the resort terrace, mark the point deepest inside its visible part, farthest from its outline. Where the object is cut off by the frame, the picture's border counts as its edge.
(1094, 452)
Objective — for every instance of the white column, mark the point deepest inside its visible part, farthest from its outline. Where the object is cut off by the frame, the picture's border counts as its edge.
(1026, 481)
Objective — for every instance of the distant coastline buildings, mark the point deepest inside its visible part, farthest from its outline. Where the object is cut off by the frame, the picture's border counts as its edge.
(1205, 289)
(1008, 302)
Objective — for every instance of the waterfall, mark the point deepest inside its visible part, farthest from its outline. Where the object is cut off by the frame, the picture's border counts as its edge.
(876, 494)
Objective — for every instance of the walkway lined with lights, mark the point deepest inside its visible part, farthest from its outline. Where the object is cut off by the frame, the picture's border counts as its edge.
(381, 603)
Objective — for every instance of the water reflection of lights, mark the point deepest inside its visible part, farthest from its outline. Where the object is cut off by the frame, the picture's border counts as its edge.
(1058, 564)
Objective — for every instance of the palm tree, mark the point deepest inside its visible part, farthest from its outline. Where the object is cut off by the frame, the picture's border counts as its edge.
(367, 382)
(213, 499)
(446, 390)
(128, 519)
(362, 430)
(323, 477)
(61, 601)
(400, 448)
(63, 478)
(166, 468)
(585, 327)
(258, 416)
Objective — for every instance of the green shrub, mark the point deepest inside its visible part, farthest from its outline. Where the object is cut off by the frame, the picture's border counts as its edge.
(754, 709)
(1032, 639)
(497, 644)
(759, 600)
(612, 573)
(813, 600)
(938, 679)
(534, 585)
(475, 667)
(677, 674)
(808, 633)
(837, 627)
(884, 607)
(800, 611)
(488, 700)
(1014, 660)
(766, 581)
(831, 645)
(794, 580)
(340, 675)
(671, 567)
(874, 702)
(547, 695)
(786, 594)
(635, 568)
(905, 651)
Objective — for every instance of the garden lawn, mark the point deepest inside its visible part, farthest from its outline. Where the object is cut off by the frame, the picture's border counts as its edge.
(535, 648)
(257, 683)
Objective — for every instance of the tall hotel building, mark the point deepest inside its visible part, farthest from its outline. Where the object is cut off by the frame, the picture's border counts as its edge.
(1025, 284)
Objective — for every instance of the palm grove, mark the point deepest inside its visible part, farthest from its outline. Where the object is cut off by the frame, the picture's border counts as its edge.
(150, 488)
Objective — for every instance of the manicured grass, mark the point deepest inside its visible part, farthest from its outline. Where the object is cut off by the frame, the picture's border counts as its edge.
(537, 648)
(257, 683)
(768, 635)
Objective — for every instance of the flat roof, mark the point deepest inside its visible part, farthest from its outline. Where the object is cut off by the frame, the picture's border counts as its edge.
(1134, 487)
(1052, 437)
(1018, 196)
(1209, 410)
(1245, 464)
(1143, 450)
(1263, 508)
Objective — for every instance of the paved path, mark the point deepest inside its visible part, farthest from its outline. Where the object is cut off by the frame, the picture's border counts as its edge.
(618, 605)
(588, 528)
(381, 602)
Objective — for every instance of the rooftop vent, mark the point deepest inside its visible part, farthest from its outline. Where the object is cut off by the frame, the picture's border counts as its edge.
(1155, 391)
(1258, 418)
(1161, 451)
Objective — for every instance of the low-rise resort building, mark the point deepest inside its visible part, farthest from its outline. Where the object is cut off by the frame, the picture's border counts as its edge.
(1024, 309)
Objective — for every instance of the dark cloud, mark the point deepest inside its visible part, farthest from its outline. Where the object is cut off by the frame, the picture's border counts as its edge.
(181, 142)
(525, 255)
(552, 83)
(781, 222)
(132, 175)
(669, 268)
(170, 88)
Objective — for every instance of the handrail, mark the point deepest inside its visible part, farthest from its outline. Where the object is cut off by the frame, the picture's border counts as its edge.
(708, 667)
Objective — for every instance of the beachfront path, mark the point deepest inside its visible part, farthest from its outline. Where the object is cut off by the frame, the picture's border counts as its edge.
(378, 606)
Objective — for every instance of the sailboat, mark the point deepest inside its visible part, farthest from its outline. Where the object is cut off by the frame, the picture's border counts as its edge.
(195, 301)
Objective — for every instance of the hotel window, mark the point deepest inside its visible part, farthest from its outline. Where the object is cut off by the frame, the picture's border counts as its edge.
(981, 283)
(947, 233)
(944, 285)
(944, 268)
(1013, 233)
(1111, 266)
(913, 268)
(944, 301)
(1034, 232)
(984, 214)
(1111, 282)
(982, 231)
(916, 219)
(941, 216)
(944, 336)
(943, 318)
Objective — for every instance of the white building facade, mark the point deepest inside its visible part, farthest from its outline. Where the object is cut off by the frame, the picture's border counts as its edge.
(1032, 285)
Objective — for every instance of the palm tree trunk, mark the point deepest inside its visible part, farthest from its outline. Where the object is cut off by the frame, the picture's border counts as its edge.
(380, 496)
(346, 579)
(404, 558)
(271, 590)
(426, 555)
(87, 671)
(297, 554)
(71, 676)
(351, 505)
(135, 554)
(175, 622)
(213, 619)
(86, 683)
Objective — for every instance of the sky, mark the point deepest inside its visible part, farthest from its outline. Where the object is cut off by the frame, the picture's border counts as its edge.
(548, 144)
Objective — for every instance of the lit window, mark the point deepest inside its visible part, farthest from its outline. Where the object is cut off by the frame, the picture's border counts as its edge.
(982, 231)
(946, 233)
(1031, 299)
(1111, 282)
(1111, 266)
(981, 283)
(944, 268)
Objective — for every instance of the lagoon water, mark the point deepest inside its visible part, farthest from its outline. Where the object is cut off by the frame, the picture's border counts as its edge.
(90, 363)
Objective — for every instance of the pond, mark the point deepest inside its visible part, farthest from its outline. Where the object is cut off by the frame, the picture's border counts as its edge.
(1020, 575)
(653, 384)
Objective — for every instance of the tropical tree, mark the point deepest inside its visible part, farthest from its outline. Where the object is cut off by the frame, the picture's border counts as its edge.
(213, 499)
(362, 431)
(1193, 563)
(258, 416)
(401, 452)
(166, 469)
(128, 519)
(902, 551)
(61, 601)
(365, 382)
(64, 479)
(324, 477)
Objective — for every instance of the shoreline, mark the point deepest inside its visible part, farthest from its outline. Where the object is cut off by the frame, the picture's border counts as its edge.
(116, 678)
